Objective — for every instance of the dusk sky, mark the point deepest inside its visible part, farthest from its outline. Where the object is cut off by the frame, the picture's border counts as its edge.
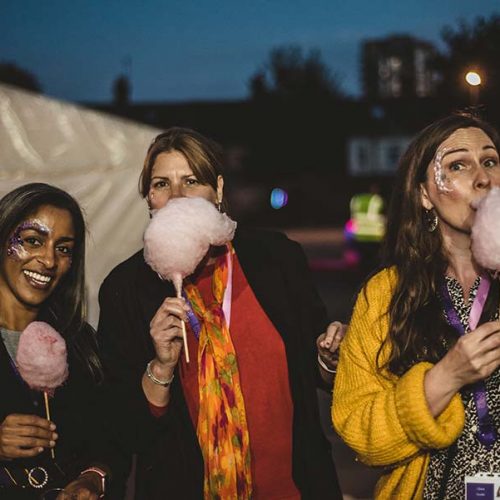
(202, 50)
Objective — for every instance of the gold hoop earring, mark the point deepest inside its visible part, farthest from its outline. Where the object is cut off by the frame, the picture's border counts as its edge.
(431, 219)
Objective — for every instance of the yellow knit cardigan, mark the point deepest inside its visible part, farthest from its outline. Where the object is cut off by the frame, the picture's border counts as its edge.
(385, 418)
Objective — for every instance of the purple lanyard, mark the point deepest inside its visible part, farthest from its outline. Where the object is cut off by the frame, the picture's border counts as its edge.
(487, 433)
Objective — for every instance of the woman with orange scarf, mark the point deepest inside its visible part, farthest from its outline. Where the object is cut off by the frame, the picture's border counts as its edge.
(241, 419)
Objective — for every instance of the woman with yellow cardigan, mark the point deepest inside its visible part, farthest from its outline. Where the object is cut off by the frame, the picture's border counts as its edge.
(417, 390)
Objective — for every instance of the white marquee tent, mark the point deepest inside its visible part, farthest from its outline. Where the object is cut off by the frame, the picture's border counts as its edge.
(95, 157)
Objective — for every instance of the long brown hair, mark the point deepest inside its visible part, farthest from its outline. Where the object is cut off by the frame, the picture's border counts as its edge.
(417, 330)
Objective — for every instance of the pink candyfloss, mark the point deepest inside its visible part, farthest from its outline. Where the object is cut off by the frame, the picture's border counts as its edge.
(41, 357)
(180, 234)
(486, 231)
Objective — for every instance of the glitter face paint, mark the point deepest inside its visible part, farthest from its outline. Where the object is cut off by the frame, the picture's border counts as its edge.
(15, 247)
(448, 179)
(462, 172)
(40, 251)
(439, 174)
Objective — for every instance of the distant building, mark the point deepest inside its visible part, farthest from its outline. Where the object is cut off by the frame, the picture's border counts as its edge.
(374, 156)
(398, 66)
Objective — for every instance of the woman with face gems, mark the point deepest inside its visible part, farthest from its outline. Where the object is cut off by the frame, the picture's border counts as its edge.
(264, 439)
(42, 252)
(418, 385)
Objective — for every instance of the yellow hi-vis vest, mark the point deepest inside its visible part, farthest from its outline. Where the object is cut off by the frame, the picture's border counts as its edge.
(366, 213)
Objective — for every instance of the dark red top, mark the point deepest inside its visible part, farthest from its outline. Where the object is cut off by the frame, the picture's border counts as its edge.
(265, 386)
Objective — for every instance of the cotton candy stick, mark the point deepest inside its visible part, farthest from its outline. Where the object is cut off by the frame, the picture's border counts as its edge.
(177, 281)
(47, 413)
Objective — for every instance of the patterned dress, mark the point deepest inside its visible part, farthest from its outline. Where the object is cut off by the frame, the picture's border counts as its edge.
(470, 456)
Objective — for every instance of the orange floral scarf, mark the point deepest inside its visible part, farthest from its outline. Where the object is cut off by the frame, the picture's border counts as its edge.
(222, 425)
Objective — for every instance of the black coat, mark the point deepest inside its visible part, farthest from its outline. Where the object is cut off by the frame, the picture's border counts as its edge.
(169, 459)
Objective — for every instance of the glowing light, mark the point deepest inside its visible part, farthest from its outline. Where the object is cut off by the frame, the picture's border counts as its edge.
(350, 230)
(350, 226)
(279, 198)
(473, 78)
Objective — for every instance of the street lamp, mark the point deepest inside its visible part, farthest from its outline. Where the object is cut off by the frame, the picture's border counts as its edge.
(473, 79)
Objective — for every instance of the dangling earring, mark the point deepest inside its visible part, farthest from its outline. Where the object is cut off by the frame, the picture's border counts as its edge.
(431, 220)
(219, 205)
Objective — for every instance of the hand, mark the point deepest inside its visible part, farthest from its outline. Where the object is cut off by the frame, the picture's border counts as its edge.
(475, 356)
(329, 342)
(25, 436)
(85, 487)
(166, 332)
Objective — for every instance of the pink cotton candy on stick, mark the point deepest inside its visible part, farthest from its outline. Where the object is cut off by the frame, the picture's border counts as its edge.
(486, 231)
(41, 357)
(180, 235)
(42, 360)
